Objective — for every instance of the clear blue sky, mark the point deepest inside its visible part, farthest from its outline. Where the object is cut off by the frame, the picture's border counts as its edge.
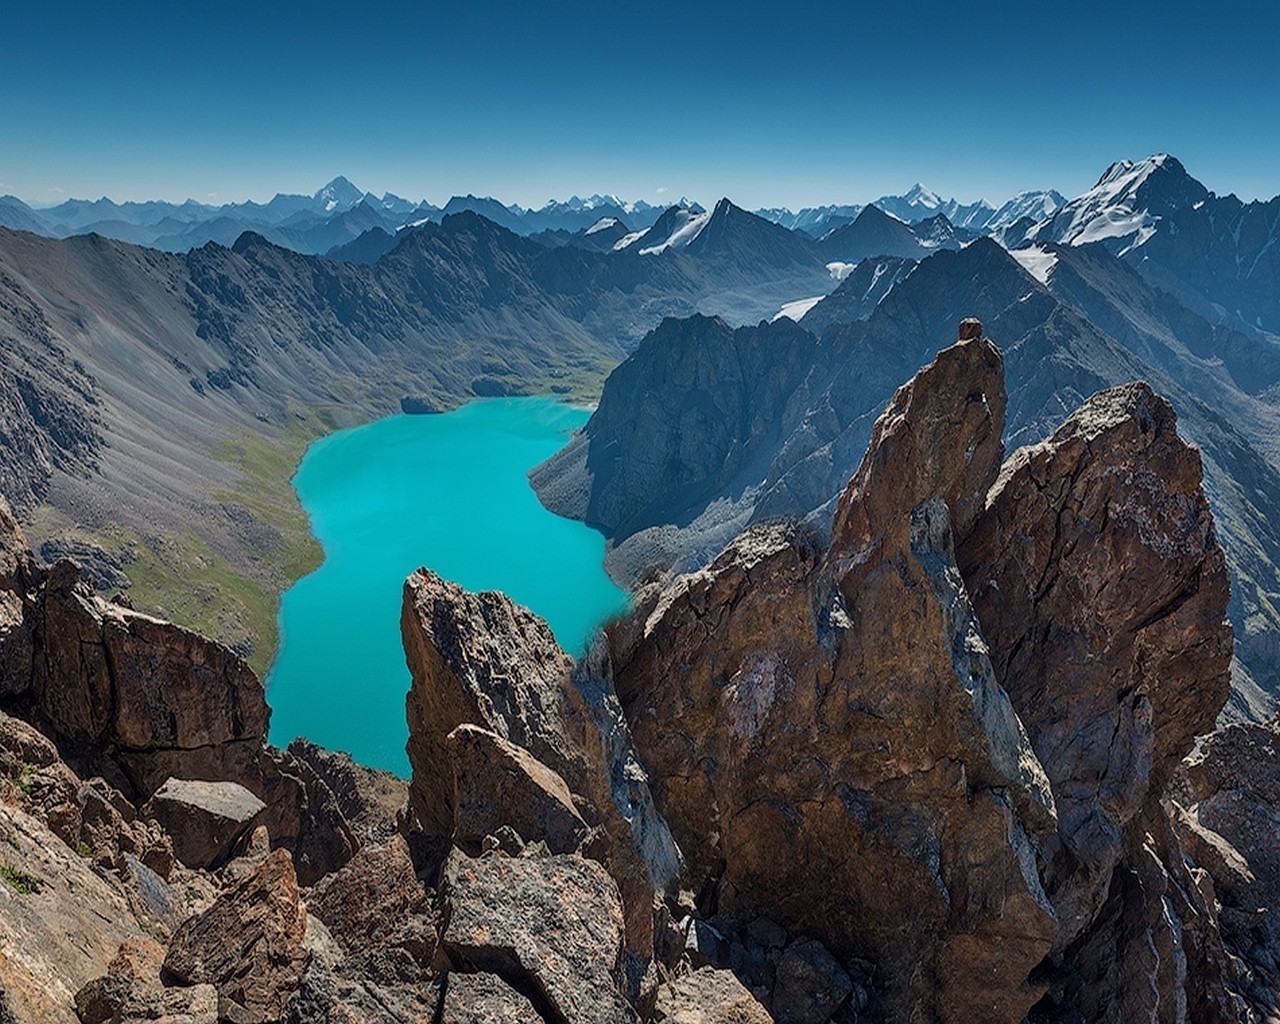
(778, 103)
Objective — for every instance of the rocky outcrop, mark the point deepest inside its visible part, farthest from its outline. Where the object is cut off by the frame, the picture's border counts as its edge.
(708, 996)
(500, 785)
(480, 660)
(551, 927)
(1100, 587)
(261, 968)
(483, 999)
(374, 802)
(139, 701)
(668, 492)
(833, 705)
(205, 819)
(1230, 831)
(850, 705)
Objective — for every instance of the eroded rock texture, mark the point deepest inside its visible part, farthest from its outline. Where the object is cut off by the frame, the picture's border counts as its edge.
(480, 660)
(139, 701)
(851, 722)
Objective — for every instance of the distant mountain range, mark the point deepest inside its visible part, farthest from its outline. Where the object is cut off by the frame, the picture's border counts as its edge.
(339, 212)
(132, 375)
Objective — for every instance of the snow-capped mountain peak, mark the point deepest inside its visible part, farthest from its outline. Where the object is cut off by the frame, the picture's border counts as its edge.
(338, 194)
(1123, 209)
(919, 195)
(603, 224)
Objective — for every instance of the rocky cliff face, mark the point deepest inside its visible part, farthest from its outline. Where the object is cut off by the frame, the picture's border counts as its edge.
(667, 492)
(933, 770)
(929, 765)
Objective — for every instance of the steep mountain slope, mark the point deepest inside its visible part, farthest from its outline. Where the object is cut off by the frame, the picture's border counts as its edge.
(155, 403)
(1216, 254)
(876, 233)
(811, 405)
(857, 296)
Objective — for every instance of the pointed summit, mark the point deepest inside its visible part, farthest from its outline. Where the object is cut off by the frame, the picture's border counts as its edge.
(339, 194)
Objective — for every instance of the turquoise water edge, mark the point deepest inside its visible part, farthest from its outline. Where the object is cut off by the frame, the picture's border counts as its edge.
(446, 491)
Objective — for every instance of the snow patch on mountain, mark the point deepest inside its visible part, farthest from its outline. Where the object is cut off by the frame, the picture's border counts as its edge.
(1037, 261)
(796, 310)
(689, 226)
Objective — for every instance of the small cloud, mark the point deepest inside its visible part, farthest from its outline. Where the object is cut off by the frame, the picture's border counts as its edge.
(59, 191)
(661, 189)
(211, 195)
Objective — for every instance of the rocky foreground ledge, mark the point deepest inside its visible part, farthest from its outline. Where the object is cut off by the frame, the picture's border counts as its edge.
(943, 768)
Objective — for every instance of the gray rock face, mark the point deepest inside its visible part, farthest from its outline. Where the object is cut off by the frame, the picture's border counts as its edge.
(550, 926)
(1230, 830)
(205, 819)
(483, 999)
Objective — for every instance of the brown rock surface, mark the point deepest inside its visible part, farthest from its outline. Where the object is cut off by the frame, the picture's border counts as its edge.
(708, 996)
(139, 700)
(61, 921)
(480, 659)
(205, 819)
(377, 910)
(1231, 831)
(1102, 590)
(483, 999)
(842, 709)
(372, 801)
(498, 783)
(249, 944)
(552, 927)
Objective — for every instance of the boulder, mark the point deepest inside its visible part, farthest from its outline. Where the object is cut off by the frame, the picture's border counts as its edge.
(551, 927)
(708, 996)
(204, 819)
(483, 999)
(810, 985)
(111, 832)
(377, 910)
(498, 783)
(248, 944)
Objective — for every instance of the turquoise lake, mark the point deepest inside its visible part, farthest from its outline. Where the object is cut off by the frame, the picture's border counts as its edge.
(445, 491)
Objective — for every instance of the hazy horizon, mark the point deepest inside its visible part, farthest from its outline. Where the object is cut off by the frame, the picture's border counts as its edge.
(805, 106)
